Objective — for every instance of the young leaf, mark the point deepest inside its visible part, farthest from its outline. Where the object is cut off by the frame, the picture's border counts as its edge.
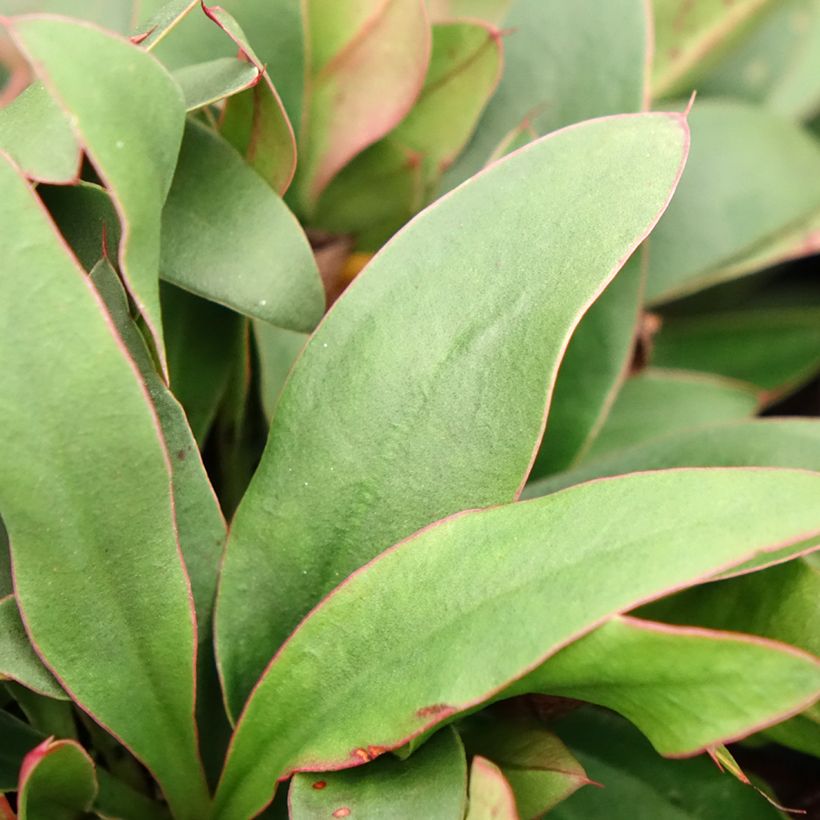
(686, 689)
(491, 795)
(89, 505)
(134, 156)
(57, 782)
(399, 353)
(431, 783)
(436, 648)
(228, 237)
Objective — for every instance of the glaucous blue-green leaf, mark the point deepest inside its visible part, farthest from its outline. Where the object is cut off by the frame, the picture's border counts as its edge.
(657, 402)
(638, 784)
(591, 371)
(413, 400)
(18, 660)
(777, 64)
(539, 768)
(116, 15)
(688, 36)
(228, 237)
(686, 688)
(563, 63)
(761, 443)
(35, 133)
(57, 782)
(774, 347)
(133, 155)
(550, 571)
(491, 795)
(206, 83)
(277, 350)
(744, 185)
(158, 19)
(98, 573)
(431, 784)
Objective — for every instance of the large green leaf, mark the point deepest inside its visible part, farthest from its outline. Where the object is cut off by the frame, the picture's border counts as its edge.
(466, 289)
(658, 402)
(640, 785)
(745, 184)
(764, 443)
(87, 502)
(430, 784)
(687, 689)
(35, 133)
(563, 63)
(57, 782)
(228, 237)
(133, 155)
(18, 659)
(475, 602)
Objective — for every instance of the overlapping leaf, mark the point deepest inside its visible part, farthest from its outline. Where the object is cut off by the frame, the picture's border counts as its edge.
(491, 795)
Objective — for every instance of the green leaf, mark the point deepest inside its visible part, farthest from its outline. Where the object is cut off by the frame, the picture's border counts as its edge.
(491, 795)
(745, 184)
(690, 35)
(592, 370)
(430, 784)
(18, 660)
(802, 732)
(110, 14)
(206, 83)
(35, 133)
(98, 574)
(491, 11)
(229, 238)
(657, 402)
(640, 785)
(763, 443)
(395, 364)
(18, 740)
(134, 156)
(686, 689)
(57, 782)
(563, 63)
(152, 30)
(366, 65)
(550, 570)
(775, 348)
(50, 716)
(539, 768)
(277, 350)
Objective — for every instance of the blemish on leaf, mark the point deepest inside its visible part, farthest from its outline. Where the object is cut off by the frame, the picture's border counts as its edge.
(344, 811)
(181, 455)
(319, 784)
(362, 754)
(434, 709)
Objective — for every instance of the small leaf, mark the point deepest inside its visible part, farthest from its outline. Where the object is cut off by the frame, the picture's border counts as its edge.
(206, 83)
(157, 26)
(57, 782)
(430, 784)
(491, 795)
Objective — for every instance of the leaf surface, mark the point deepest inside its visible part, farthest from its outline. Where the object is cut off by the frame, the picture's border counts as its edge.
(207, 83)
(491, 795)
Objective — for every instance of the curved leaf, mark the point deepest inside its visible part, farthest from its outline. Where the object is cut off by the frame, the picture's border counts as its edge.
(399, 352)
(206, 83)
(435, 648)
(135, 156)
(57, 782)
(98, 573)
(491, 795)
(430, 784)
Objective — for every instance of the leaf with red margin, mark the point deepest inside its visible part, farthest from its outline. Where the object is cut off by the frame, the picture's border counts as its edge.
(685, 688)
(5, 809)
(152, 31)
(431, 783)
(539, 768)
(399, 353)
(366, 65)
(57, 782)
(133, 155)
(491, 795)
(35, 133)
(550, 571)
(18, 661)
(98, 573)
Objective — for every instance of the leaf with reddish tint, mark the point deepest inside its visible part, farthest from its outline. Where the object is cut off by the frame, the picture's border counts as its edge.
(685, 688)
(18, 660)
(35, 133)
(366, 65)
(112, 617)
(57, 782)
(689, 35)
(134, 156)
(435, 650)
(399, 353)
(491, 795)
(539, 768)
(431, 783)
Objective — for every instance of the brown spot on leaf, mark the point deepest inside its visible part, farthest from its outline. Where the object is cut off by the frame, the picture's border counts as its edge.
(361, 754)
(434, 709)
(319, 784)
(181, 455)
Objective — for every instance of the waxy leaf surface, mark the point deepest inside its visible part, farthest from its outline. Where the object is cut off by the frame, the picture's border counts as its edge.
(435, 649)
(467, 288)
(98, 573)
